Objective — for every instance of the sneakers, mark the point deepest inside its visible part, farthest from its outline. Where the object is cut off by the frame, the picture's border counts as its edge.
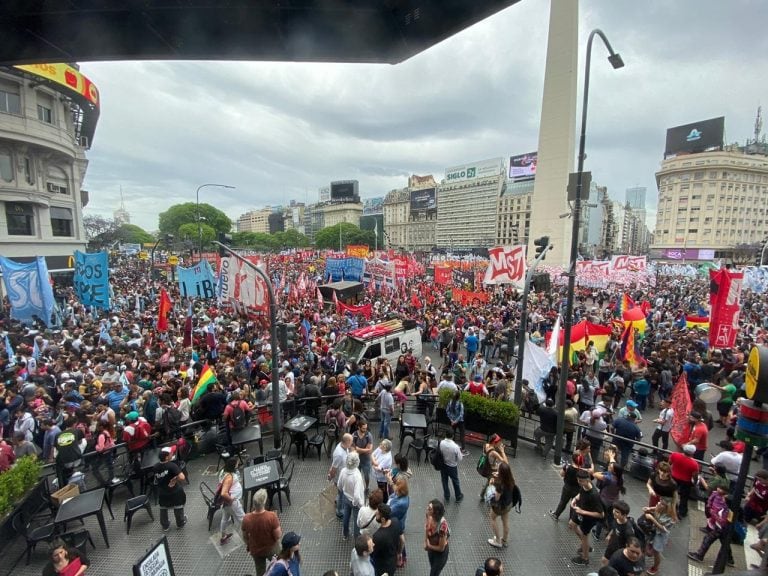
(224, 539)
(495, 543)
(696, 557)
(552, 515)
(183, 523)
(579, 560)
(459, 498)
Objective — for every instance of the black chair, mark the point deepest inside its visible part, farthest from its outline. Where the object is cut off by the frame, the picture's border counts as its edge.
(133, 505)
(78, 539)
(123, 480)
(283, 484)
(225, 453)
(32, 535)
(258, 460)
(182, 455)
(316, 441)
(209, 496)
(277, 453)
(418, 445)
(312, 406)
(298, 439)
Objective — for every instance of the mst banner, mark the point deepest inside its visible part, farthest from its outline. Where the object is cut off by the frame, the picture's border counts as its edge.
(92, 279)
(724, 299)
(506, 266)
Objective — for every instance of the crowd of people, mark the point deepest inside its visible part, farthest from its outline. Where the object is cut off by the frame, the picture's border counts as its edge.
(70, 395)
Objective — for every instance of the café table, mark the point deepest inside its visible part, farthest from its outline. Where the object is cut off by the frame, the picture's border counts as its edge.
(149, 458)
(81, 506)
(410, 423)
(251, 433)
(258, 476)
(297, 427)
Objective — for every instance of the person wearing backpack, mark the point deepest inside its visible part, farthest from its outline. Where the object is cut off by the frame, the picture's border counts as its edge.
(170, 420)
(137, 432)
(237, 413)
(624, 527)
(288, 560)
(503, 483)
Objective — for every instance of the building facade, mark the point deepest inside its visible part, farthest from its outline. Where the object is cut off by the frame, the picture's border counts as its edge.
(255, 221)
(42, 167)
(467, 203)
(396, 209)
(710, 203)
(513, 215)
(339, 212)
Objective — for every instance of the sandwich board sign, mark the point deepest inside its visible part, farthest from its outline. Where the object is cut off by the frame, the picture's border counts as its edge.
(156, 562)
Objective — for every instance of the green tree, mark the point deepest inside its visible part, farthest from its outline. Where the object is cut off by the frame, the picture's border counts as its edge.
(132, 234)
(190, 232)
(179, 214)
(291, 239)
(255, 240)
(346, 233)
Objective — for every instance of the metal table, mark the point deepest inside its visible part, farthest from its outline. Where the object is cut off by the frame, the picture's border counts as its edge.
(251, 433)
(260, 476)
(81, 506)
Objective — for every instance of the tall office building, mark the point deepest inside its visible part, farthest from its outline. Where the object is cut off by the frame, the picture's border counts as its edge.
(635, 197)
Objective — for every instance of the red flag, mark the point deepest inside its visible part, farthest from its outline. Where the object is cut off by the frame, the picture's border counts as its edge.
(320, 300)
(163, 308)
(680, 401)
(336, 302)
(724, 299)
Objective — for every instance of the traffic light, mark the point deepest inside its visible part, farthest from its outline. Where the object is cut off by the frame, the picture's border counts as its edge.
(541, 245)
(291, 338)
(282, 335)
(224, 239)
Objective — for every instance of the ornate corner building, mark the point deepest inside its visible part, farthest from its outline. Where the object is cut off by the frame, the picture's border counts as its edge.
(48, 116)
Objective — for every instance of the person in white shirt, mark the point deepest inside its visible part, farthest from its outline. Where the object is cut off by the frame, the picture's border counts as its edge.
(728, 458)
(338, 461)
(663, 424)
(447, 382)
(352, 486)
(451, 458)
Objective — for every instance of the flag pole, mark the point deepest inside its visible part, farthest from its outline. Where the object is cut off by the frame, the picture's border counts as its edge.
(276, 415)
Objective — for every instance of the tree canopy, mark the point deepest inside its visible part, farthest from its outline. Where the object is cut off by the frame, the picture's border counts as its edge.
(348, 233)
(271, 242)
(132, 234)
(179, 214)
(105, 232)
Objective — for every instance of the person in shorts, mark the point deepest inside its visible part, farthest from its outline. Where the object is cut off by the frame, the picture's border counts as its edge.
(586, 512)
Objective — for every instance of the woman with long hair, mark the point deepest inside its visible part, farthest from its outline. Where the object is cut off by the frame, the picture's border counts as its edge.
(399, 502)
(611, 486)
(436, 534)
(503, 483)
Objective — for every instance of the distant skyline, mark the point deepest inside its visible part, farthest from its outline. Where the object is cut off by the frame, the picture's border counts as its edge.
(280, 131)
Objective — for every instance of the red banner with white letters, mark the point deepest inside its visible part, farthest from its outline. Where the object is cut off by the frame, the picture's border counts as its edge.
(443, 275)
(469, 297)
(506, 265)
(724, 300)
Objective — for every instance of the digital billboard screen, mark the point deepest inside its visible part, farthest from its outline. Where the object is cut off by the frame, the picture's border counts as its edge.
(695, 137)
(344, 190)
(523, 166)
(424, 201)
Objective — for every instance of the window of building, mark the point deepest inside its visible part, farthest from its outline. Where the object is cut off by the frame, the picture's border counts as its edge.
(61, 221)
(21, 218)
(693, 230)
(698, 175)
(29, 171)
(10, 99)
(45, 107)
(6, 166)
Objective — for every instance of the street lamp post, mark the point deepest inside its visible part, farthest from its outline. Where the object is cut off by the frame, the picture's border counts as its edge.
(762, 252)
(197, 204)
(616, 62)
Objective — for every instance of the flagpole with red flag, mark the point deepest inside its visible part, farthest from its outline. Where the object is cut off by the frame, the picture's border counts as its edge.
(163, 308)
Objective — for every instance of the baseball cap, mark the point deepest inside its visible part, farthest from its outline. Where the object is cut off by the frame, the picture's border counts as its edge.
(631, 403)
(166, 450)
(290, 540)
(478, 378)
(689, 449)
(132, 416)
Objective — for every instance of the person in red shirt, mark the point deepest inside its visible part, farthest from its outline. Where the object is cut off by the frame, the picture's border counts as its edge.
(685, 471)
(7, 456)
(234, 400)
(699, 434)
(756, 504)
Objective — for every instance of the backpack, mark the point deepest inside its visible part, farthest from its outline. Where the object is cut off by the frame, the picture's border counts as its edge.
(238, 417)
(484, 466)
(637, 532)
(171, 421)
(517, 498)
(272, 569)
(142, 431)
(436, 458)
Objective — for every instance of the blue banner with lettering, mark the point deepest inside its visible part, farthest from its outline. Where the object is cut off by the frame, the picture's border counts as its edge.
(337, 269)
(92, 279)
(197, 281)
(28, 290)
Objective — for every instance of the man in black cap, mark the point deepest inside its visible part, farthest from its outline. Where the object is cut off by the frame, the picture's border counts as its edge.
(171, 495)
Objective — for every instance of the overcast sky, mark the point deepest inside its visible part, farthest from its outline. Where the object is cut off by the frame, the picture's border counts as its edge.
(280, 131)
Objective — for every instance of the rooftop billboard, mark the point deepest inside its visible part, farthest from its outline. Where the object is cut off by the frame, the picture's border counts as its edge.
(523, 166)
(696, 137)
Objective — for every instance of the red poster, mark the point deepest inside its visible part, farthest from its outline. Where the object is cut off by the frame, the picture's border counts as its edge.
(724, 299)
(443, 275)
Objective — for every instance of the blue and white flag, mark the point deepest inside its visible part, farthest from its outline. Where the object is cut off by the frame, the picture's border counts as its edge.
(92, 279)
(197, 281)
(35, 350)
(104, 335)
(28, 290)
(10, 352)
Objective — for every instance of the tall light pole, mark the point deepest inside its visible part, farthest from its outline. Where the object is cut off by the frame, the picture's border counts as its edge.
(197, 204)
(616, 62)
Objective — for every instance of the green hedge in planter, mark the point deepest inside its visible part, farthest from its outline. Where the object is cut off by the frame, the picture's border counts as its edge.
(17, 481)
(501, 411)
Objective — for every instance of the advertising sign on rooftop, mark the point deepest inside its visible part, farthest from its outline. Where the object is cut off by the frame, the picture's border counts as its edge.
(482, 169)
(696, 137)
(423, 201)
(523, 166)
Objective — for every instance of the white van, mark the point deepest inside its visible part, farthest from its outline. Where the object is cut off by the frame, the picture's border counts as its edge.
(388, 339)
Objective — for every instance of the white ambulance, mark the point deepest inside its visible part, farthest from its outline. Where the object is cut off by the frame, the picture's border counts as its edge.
(388, 339)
